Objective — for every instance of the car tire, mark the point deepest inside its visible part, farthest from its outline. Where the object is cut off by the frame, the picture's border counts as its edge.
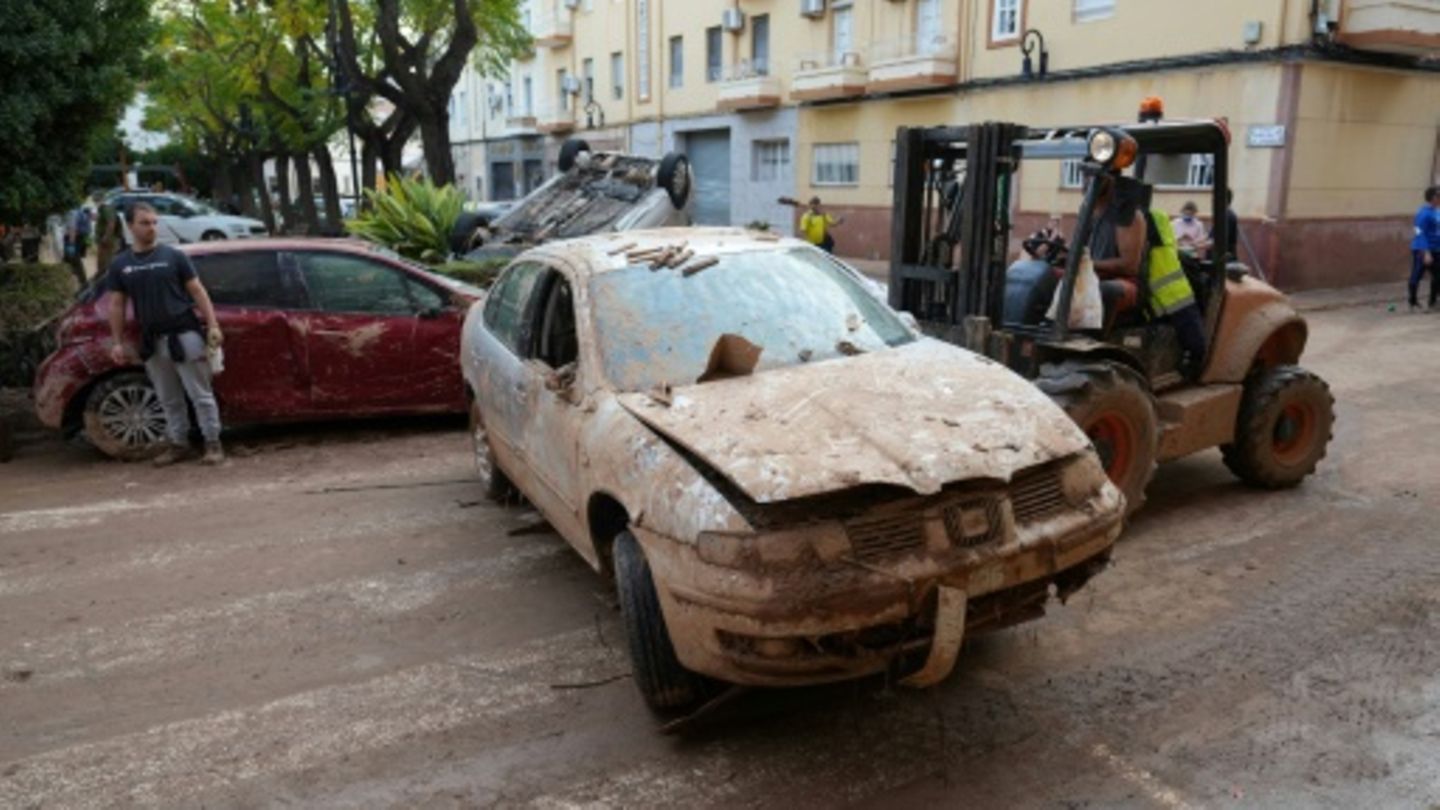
(1286, 422)
(1116, 411)
(665, 684)
(569, 151)
(674, 177)
(212, 236)
(123, 418)
(498, 486)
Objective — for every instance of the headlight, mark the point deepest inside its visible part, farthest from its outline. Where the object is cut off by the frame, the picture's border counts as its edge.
(1082, 478)
(1102, 146)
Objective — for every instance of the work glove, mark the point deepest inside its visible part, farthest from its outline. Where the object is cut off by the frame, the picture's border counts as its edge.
(214, 337)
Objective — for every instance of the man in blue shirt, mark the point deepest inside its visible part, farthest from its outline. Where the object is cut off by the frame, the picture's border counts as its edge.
(1425, 247)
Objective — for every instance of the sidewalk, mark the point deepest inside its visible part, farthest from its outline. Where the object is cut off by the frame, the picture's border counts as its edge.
(1307, 301)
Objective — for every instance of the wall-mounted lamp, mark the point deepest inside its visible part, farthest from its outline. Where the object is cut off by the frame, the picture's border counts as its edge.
(1032, 41)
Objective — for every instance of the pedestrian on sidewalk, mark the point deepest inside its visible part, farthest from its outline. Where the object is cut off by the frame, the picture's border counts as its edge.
(77, 241)
(107, 235)
(162, 283)
(1424, 247)
(815, 224)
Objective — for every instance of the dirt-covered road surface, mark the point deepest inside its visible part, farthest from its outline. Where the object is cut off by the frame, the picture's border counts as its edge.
(337, 620)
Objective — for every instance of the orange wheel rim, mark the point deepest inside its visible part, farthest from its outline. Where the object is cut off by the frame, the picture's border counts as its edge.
(1115, 441)
(1294, 433)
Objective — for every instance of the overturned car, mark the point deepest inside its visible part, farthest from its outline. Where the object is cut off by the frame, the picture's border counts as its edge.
(787, 483)
(594, 192)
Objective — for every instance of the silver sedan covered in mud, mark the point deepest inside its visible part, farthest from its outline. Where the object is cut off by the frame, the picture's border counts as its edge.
(786, 482)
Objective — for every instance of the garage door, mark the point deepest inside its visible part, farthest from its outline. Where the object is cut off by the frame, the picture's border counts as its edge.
(709, 153)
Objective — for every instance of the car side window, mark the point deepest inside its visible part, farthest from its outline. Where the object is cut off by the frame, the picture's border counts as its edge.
(556, 343)
(505, 306)
(341, 283)
(250, 278)
(425, 297)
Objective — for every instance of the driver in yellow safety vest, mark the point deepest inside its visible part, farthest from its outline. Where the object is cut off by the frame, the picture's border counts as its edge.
(1171, 296)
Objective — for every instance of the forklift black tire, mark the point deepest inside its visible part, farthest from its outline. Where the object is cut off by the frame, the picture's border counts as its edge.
(1286, 421)
(664, 682)
(497, 485)
(1115, 410)
(569, 151)
(674, 177)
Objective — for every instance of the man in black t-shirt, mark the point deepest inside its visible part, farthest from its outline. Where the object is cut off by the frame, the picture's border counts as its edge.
(162, 283)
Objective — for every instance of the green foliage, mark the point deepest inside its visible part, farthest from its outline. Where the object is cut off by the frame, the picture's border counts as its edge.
(411, 216)
(481, 274)
(67, 70)
(30, 295)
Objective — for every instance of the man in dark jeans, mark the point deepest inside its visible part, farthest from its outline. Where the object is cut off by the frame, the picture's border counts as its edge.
(162, 282)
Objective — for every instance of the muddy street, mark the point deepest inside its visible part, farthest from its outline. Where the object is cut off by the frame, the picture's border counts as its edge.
(336, 618)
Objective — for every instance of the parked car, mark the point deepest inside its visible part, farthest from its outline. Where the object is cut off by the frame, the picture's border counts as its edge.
(594, 192)
(763, 456)
(314, 329)
(185, 219)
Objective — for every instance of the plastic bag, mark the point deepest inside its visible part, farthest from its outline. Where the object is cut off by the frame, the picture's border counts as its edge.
(1087, 310)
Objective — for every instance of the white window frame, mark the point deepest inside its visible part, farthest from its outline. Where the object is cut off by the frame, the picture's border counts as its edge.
(835, 164)
(642, 50)
(617, 75)
(677, 66)
(1071, 176)
(1005, 11)
(842, 32)
(771, 160)
(1092, 10)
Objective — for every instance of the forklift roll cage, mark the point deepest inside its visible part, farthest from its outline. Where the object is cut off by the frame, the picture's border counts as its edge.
(958, 294)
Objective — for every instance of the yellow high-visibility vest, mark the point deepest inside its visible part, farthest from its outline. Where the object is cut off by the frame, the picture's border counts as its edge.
(1169, 289)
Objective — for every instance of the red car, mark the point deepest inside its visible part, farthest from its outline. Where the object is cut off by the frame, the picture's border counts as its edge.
(314, 329)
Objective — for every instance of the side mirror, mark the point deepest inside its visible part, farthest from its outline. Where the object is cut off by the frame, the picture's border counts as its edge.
(562, 382)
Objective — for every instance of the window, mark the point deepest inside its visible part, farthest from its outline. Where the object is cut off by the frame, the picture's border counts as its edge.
(617, 75)
(1089, 10)
(557, 344)
(713, 54)
(642, 50)
(528, 94)
(1006, 23)
(249, 279)
(677, 61)
(929, 36)
(340, 283)
(772, 161)
(1181, 171)
(505, 305)
(563, 92)
(836, 164)
(1070, 174)
(842, 33)
(588, 70)
(760, 44)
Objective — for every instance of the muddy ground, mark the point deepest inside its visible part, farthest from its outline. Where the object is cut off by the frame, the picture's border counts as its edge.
(335, 619)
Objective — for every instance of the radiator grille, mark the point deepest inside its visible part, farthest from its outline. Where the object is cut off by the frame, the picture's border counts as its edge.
(872, 538)
(1036, 494)
(973, 523)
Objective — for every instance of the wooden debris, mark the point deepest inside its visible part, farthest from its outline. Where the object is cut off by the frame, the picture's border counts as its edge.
(708, 261)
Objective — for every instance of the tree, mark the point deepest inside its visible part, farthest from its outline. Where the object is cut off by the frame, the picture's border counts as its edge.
(422, 48)
(67, 70)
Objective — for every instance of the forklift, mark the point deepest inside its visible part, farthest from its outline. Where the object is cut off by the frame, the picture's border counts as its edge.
(1126, 383)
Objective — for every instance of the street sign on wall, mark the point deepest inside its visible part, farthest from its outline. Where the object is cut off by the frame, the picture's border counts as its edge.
(1266, 136)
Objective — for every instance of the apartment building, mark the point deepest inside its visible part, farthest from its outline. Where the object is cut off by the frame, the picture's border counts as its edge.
(1334, 105)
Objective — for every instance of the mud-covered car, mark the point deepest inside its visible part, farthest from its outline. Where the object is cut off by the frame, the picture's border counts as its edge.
(786, 482)
(594, 192)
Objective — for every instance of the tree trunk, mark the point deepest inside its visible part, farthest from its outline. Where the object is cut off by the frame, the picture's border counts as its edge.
(289, 220)
(330, 189)
(221, 188)
(305, 189)
(244, 189)
(435, 137)
(257, 178)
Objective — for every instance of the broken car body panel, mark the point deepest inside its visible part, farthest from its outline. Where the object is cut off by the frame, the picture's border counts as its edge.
(801, 519)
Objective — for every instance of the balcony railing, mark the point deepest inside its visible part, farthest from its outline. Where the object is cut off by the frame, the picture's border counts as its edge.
(521, 119)
(828, 75)
(913, 63)
(748, 85)
(553, 30)
(1409, 27)
(556, 120)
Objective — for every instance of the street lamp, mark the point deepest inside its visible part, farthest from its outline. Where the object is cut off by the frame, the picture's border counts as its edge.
(1032, 40)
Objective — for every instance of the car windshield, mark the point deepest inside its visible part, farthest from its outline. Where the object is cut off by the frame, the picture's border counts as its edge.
(658, 327)
(201, 208)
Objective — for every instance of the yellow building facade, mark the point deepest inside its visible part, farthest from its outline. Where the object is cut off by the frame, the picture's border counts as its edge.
(1334, 105)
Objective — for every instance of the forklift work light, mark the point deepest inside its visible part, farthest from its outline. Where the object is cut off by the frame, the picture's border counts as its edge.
(1112, 150)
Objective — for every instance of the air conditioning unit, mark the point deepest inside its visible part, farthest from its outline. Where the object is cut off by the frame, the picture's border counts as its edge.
(733, 20)
(570, 84)
(1327, 17)
(812, 8)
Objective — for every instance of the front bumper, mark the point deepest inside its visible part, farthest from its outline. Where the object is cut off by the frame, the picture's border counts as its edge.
(849, 618)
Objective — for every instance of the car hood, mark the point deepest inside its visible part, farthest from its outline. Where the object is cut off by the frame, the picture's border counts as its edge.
(919, 416)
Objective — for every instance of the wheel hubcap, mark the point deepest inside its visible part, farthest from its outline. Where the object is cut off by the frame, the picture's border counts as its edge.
(133, 416)
(1294, 433)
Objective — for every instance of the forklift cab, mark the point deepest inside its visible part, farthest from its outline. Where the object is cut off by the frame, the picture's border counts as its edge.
(951, 239)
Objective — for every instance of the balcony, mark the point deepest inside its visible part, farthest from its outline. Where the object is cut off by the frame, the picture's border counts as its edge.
(1407, 27)
(749, 86)
(913, 64)
(828, 75)
(521, 119)
(553, 30)
(555, 120)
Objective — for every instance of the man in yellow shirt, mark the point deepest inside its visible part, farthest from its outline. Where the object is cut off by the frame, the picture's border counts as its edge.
(815, 225)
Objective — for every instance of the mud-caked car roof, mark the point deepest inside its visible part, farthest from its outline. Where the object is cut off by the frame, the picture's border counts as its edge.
(601, 253)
